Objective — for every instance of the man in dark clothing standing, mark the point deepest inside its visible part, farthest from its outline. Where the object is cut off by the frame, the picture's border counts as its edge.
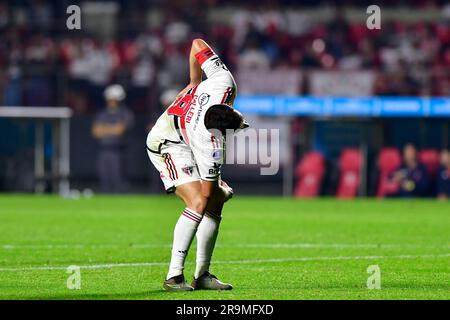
(411, 176)
(109, 129)
(443, 178)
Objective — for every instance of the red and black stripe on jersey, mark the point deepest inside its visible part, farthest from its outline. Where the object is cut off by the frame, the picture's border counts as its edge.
(228, 96)
(204, 55)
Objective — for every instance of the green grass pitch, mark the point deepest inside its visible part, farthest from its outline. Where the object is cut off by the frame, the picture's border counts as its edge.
(269, 248)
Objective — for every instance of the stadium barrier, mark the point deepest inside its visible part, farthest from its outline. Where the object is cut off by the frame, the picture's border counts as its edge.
(59, 117)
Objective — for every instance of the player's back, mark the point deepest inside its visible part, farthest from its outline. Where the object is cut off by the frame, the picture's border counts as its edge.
(183, 121)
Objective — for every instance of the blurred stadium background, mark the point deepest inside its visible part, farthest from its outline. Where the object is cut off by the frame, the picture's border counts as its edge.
(345, 98)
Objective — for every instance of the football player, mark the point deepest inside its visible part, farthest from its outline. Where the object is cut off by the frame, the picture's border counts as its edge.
(187, 146)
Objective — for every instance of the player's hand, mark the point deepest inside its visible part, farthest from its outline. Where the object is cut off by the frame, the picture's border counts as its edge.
(227, 189)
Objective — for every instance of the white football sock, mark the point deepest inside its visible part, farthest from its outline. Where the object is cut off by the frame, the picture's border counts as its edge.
(182, 238)
(206, 240)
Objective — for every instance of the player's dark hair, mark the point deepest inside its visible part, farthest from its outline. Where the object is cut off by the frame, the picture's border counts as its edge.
(222, 117)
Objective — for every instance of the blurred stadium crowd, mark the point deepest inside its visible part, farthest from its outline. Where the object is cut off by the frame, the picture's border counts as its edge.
(42, 63)
(318, 48)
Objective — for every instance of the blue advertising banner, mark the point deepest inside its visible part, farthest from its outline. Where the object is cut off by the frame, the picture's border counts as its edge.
(344, 107)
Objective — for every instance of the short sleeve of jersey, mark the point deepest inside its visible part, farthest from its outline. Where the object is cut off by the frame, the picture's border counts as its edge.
(209, 155)
(210, 62)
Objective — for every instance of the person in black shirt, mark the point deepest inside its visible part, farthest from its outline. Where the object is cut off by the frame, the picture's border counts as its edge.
(109, 129)
(443, 178)
(411, 175)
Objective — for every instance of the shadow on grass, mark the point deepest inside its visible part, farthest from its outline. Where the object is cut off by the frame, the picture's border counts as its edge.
(143, 295)
(101, 296)
(301, 292)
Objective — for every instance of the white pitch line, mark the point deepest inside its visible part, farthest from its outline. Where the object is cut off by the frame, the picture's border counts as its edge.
(150, 264)
(256, 245)
(338, 245)
(82, 246)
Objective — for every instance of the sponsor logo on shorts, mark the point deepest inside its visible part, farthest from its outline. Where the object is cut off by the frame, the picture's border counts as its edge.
(215, 170)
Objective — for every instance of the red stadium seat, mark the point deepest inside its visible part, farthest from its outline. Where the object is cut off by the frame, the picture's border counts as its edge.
(310, 172)
(430, 159)
(350, 170)
(388, 160)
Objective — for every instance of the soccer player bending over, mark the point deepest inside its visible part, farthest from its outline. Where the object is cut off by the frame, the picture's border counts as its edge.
(187, 147)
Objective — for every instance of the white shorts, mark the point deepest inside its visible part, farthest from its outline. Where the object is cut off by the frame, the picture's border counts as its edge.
(176, 165)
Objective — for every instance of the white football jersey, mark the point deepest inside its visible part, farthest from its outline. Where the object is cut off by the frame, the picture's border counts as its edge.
(183, 121)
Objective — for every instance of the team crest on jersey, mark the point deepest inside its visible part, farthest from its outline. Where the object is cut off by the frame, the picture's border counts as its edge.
(203, 99)
(188, 170)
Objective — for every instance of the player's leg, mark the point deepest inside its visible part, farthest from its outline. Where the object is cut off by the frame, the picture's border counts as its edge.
(207, 234)
(177, 171)
(206, 239)
(186, 226)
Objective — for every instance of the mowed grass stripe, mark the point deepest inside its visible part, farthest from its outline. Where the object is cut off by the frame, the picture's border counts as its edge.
(250, 245)
(151, 264)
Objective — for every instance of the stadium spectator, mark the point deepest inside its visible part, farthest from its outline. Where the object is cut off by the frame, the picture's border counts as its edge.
(109, 129)
(76, 55)
(253, 57)
(101, 64)
(39, 61)
(411, 176)
(4, 15)
(443, 179)
(13, 87)
(142, 76)
(40, 14)
(174, 67)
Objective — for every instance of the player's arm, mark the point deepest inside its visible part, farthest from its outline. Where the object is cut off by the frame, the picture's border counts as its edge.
(100, 130)
(195, 70)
